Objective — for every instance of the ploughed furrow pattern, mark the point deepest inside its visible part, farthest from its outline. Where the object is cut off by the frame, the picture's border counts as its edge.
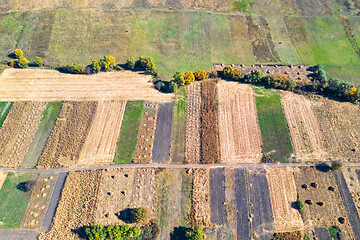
(242, 205)
(209, 130)
(100, 143)
(68, 136)
(162, 141)
(217, 196)
(18, 130)
(350, 208)
(193, 124)
(303, 126)
(261, 209)
(238, 128)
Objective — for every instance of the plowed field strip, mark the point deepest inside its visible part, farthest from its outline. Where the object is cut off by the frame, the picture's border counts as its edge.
(162, 141)
(217, 196)
(238, 127)
(17, 132)
(100, 143)
(42, 134)
(263, 220)
(68, 135)
(303, 126)
(193, 124)
(209, 123)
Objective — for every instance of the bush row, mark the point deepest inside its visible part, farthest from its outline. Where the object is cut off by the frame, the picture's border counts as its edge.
(111, 232)
(20, 61)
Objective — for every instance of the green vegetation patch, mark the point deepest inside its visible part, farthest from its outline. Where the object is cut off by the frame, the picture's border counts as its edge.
(179, 126)
(42, 134)
(4, 110)
(273, 126)
(13, 202)
(129, 131)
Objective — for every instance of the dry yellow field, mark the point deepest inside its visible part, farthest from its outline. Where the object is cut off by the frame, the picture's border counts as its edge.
(51, 85)
(100, 143)
(3, 176)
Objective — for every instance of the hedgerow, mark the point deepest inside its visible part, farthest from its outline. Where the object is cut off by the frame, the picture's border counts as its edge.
(111, 232)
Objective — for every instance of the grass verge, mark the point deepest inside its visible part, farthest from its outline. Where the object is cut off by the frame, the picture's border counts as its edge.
(13, 202)
(126, 144)
(276, 140)
(4, 110)
(42, 134)
(179, 126)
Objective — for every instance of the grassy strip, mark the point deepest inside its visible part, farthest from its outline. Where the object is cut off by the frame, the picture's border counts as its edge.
(42, 134)
(126, 144)
(179, 126)
(273, 126)
(7, 110)
(13, 202)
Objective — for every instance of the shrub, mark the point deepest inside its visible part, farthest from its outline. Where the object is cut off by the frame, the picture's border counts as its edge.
(214, 74)
(195, 233)
(173, 87)
(138, 215)
(179, 78)
(38, 62)
(23, 62)
(280, 81)
(254, 76)
(189, 77)
(201, 75)
(300, 205)
(18, 53)
(241, 5)
(74, 68)
(146, 64)
(95, 232)
(111, 232)
(130, 63)
(231, 74)
(342, 89)
(12, 63)
(95, 66)
(26, 186)
(335, 165)
(107, 63)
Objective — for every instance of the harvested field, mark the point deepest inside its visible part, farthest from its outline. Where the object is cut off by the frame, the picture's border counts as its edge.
(282, 195)
(217, 196)
(50, 85)
(76, 206)
(313, 184)
(3, 175)
(100, 144)
(39, 200)
(261, 208)
(242, 204)
(193, 124)
(238, 128)
(145, 138)
(136, 189)
(17, 132)
(162, 138)
(304, 127)
(68, 135)
(340, 126)
(209, 123)
(201, 214)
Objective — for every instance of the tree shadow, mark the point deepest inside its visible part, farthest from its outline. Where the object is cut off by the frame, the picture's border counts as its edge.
(294, 206)
(80, 232)
(125, 215)
(323, 167)
(178, 233)
(26, 186)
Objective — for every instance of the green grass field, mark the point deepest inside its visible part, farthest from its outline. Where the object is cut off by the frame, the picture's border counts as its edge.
(13, 202)
(126, 144)
(276, 139)
(42, 134)
(179, 126)
(4, 110)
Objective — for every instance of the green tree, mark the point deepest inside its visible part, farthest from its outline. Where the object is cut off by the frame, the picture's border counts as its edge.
(138, 215)
(173, 87)
(179, 78)
(300, 205)
(195, 233)
(18, 53)
(130, 63)
(95, 66)
(335, 165)
(23, 62)
(38, 62)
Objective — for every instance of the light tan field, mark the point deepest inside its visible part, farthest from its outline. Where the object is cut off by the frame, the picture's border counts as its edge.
(100, 143)
(238, 128)
(351, 175)
(303, 126)
(201, 198)
(193, 124)
(3, 176)
(18, 130)
(282, 193)
(51, 85)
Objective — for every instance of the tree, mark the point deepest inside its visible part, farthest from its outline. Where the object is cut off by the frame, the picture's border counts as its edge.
(95, 66)
(179, 78)
(23, 62)
(232, 74)
(130, 63)
(195, 233)
(18, 53)
(138, 215)
(300, 205)
(254, 76)
(146, 64)
(173, 87)
(201, 75)
(335, 165)
(38, 62)
(189, 77)
(26, 186)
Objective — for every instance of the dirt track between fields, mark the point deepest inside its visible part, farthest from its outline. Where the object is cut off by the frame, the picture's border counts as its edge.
(238, 127)
(51, 85)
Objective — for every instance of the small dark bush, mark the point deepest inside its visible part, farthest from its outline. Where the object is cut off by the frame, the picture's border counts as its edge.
(95, 66)
(300, 205)
(335, 165)
(38, 62)
(130, 63)
(26, 186)
(138, 215)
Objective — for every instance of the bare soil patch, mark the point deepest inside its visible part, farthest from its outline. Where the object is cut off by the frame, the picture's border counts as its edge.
(352, 177)
(17, 132)
(193, 124)
(100, 143)
(209, 123)
(201, 214)
(51, 85)
(217, 196)
(76, 206)
(68, 135)
(340, 127)
(282, 195)
(303, 126)
(238, 128)
(145, 140)
(39, 200)
(333, 207)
